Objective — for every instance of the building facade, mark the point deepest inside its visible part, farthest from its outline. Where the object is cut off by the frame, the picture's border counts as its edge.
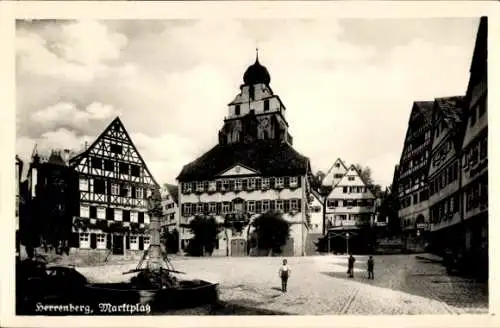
(169, 199)
(113, 185)
(50, 199)
(444, 172)
(334, 174)
(412, 186)
(350, 208)
(253, 169)
(316, 208)
(474, 157)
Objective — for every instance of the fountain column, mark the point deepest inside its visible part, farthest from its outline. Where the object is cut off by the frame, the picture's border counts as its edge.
(155, 213)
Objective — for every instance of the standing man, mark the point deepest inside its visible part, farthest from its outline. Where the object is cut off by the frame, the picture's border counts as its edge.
(370, 268)
(350, 267)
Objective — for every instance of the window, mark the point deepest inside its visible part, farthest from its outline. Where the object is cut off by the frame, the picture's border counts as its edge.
(344, 190)
(258, 183)
(294, 181)
(134, 243)
(225, 185)
(135, 170)
(279, 183)
(118, 215)
(279, 205)
(265, 206)
(294, 204)
(99, 186)
(126, 216)
(350, 178)
(96, 163)
(251, 206)
(117, 149)
(338, 175)
(101, 240)
(84, 211)
(146, 242)
(226, 207)
(251, 183)
(92, 212)
(146, 219)
(199, 208)
(115, 189)
(186, 187)
(123, 168)
(186, 211)
(139, 193)
(265, 183)
(238, 184)
(237, 110)
(212, 207)
(109, 165)
(212, 186)
(199, 186)
(266, 105)
(84, 238)
(101, 213)
(84, 184)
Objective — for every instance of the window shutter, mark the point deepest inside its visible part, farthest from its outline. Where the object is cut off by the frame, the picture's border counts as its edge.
(218, 185)
(93, 212)
(271, 182)
(108, 240)
(286, 182)
(245, 184)
(127, 242)
(299, 181)
(141, 243)
(74, 240)
(299, 201)
(93, 241)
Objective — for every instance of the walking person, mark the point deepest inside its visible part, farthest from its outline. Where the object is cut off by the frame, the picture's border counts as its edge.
(350, 266)
(370, 268)
(284, 274)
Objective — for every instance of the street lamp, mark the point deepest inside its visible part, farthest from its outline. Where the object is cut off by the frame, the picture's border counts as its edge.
(347, 241)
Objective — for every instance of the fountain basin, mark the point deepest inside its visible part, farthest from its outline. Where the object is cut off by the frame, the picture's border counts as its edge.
(188, 294)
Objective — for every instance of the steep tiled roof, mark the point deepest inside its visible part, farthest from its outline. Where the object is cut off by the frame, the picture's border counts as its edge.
(268, 157)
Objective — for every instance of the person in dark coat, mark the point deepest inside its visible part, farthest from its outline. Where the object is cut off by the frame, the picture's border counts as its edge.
(350, 266)
(370, 267)
(284, 274)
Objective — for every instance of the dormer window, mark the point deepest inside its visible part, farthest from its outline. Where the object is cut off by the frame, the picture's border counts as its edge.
(293, 182)
(265, 183)
(199, 186)
(251, 183)
(279, 183)
(212, 186)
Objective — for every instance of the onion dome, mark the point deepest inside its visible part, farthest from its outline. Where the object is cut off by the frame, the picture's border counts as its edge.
(256, 74)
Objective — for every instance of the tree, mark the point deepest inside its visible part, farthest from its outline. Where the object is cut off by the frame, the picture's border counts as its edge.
(389, 210)
(205, 230)
(316, 179)
(271, 231)
(366, 175)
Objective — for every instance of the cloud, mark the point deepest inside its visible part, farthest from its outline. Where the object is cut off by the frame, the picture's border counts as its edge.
(68, 114)
(76, 51)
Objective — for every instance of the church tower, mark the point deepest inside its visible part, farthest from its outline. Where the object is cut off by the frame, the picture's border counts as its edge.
(256, 113)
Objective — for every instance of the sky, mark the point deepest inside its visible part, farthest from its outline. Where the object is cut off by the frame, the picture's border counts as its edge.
(348, 84)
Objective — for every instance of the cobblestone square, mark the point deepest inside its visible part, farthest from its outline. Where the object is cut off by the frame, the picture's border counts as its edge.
(403, 284)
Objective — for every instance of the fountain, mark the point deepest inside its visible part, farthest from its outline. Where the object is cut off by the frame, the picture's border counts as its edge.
(155, 284)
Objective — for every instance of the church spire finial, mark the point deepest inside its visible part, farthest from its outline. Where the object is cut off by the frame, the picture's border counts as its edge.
(257, 54)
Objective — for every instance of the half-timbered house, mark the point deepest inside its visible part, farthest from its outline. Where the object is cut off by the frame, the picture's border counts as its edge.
(113, 184)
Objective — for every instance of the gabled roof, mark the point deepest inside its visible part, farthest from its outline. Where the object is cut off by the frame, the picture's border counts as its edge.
(331, 171)
(269, 157)
(173, 190)
(353, 167)
(116, 121)
(317, 195)
(426, 108)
